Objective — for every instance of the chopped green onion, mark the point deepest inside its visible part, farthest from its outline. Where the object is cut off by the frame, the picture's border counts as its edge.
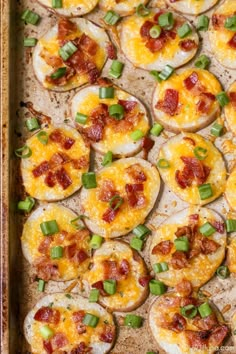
(205, 191)
(166, 20)
(151, 353)
(107, 159)
(109, 286)
(24, 152)
(81, 118)
(182, 244)
(157, 287)
(133, 321)
(74, 223)
(94, 295)
(188, 311)
(116, 69)
(106, 92)
(43, 137)
(166, 72)
(89, 180)
(184, 31)
(156, 129)
(202, 62)
(200, 153)
(217, 129)
(96, 241)
(41, 285)
(163, 163)
(204, 310)
(136, 243)
(57, 4)
(160, 267)
(111, 18)
(223, 272)
(90, 320)
(56, 252)
(155, 31)
(32, 124)
(142, 10)
(26, 205)
(30, 17)
(49, 227)
(230, 225)
(136, 135)
(59, 73)
(141, 231)
(203, 23)
(230, 23)
(207, 229)
(115, 202)
(30, 42)
(156, 75)
(67, 50)
(116, 111)
(222, 98)
(46, 332)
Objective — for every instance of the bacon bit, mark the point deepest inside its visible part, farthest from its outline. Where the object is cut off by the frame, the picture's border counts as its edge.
(78, 317)
(45, 269)
(144, 281)
(57, 136)
(63, 179)
(218, 21)
(59, 158)
(147, 144)
(187, 45)
(178, 323)
(68, 142)
(80, 163)
(184, 178)
(111, 51)
(163, 247)
(179, 260)
(197, 339)
(124, 267)
(232, 42)
(88, 44)
(226, 308)
(135, 197)
(63, 80)
(184, 288)
(145, 29)
(219, 226)
(47, 346)
(128, 105)
(83, 65)
(217, 336)
(99, 285)
(184, 231)
(206, 323)
(44, 245)
(52, 60)
(109, 215)
(232, 97)
(136, 173)
(82, 348)
(41, 169)
(104, 82)
(110, 270)
(65, 28)
(108, 334)
(76, 255)
(170, 103)
(205, 103)
(48, 315)
(189, 140)
(50, 179)
(191, 81)
(41, 116)
(107, 191)
(157, 15)
(209, 246)
(193, 219)
(155, 44)
(95, 132)
(58, 341)
(185, 301)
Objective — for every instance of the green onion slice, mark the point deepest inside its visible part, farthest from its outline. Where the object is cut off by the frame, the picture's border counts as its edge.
(156, 75)
(49, 227)
(96, 241)
(142, 10)
(137, 135)
(32, 124)
(41, 285)
(166, 72)
(182, 244)
(202, 62)
(59, 73)
(223, 272)
(89, 180)
(115, 202)
(67, 50)
(203, 23)
(24, 152)
(111, 18)
(207, 229)
(200, 153)
(133, 321)
(205, 310)
(30, 17)
(217, 129)
(166, 20)
(230, 225)
(46, 332)
(94, 295)
(230, 23)
(74, 223)
(56, 252)
(116, 69)
(43, 137)
(116, 111)
(163, 163)
(57, 4)
(90, 320)
(157, 287)
(106, 92)
(156, 129)
(155, 31)
(189, 311)
(205, 191)
(222, 98)
(81, 118)
(136, 243)
(107, 159)
(26, 205)
(30, 42)
(141, 231)
(160, 267)
(109, 286)
(184, 31)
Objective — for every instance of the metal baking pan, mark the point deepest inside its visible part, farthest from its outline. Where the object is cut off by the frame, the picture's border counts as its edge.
(18, 290)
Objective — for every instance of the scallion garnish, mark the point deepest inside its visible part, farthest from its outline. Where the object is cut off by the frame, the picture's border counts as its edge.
(166, 20)
(32, 124)
(205, 310)
(46, 332)
(203, 23)
(200, 153)
(90, 320)
(230, 23)
(142, 10)
(141, 231)
(43, 137)
(67, 50)
(136, 243)
(205, 191)
(207, 229)
(49, 227)
(57, 4)
(56, 252)
(81, 118)
(230, 225)
(184, 31)
(30, 42)
(189, 311)
(156, 129)
(155, 31)
(160, 267)
(156, 75)
(223, 272)
(202, 62)
(137, 135)
(133, 321)
(116, 111)
(182, 244)
(30, 17)
(41, 285)
(74, 223)
(109, 286)
(89, 180)
(163, 163)
(166, 72)
(116, 69)
(107, 159)
(115, 202)
(26, 205)
(24, 152)
(59, 73)
(94, 295)
(222, 98)
(96, 241)
(217, 129)
(157, 287)
(106, 92)
(111, 18)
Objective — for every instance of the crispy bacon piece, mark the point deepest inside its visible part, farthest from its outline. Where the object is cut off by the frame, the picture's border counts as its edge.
(41, 169)
(88, 44)
(108, 334)
(135, 196)
(62, 178)
(185, 301)
(144, 281)
(111, 51)
(178, 323)
(95, 132)
(107, 190)
(65, 28)
(205, 323)
(44, 245)
(136, 173)
(191, 81)
(58, 341)
(50, 179)
(128, 105)
(145, 29)
(217, 336)
(232, 97)
(163, 247)
(219, 226)
(197, 339)
(187, 45)
(48, 315)
(184, 288)
(193, 219)
(109, 215)
(218, 21)
(179, 260)
(59, 158)
(209, 246)
(41, 116)
(232, 42)
(124, 267)
(80, 163)
(82, 348)
(189, 140)
(185, 177)
(169, 104)
(205, 103)
(184, 231)
(98, 117)
(111, 270)
(68, 143)
(78, 317)
(83, 65)
(147, 144)
(63, 80)
(156, 44)
(65, 142)
(74, 254)
(45, 269)
(99, 285)
(52, 60)
(47, 346)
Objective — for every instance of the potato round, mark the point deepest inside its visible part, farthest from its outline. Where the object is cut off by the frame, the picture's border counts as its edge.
(200, 268)
(231, 255)
(130, 294)
(114, 139)
(37, 248)
(220, 36)
(230, 111)
(71, 8)
(123, 7)
(68, 304)
(233, 321)
(182, 145)
(135, 50)
(127, 217)
(192, 7)
(187, 116)
(47, 154)
(230, 190)
(49, 43)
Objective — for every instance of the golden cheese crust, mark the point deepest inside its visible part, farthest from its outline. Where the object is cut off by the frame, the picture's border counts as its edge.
(71, 8)
(192, 7)
(123, 7)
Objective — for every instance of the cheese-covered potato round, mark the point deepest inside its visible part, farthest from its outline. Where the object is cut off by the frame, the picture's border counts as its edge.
(222, 38)
(230, 190)
(117, 262)
(192, 168)
(186, 101)
(58, 159)
(122, 7)
(125, 194)
(62, 255)
(179, 334)
(203, 254)
(233, 321)
(68, 323)
(155, 53)
(230, 109)
(191, 7)
(70, 54)
(104, 130)
(231, 255)
(71, 8)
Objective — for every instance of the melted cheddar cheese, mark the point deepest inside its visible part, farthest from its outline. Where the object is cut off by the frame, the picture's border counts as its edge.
(177, 147)
(192, 6)
(32, 237)
(230, 190)
(74, 7)
(230, 112)
(232, 255)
